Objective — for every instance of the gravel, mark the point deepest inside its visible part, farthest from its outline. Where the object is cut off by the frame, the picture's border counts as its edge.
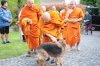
(89, 54)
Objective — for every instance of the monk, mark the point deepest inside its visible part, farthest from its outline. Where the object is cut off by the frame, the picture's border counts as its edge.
(63, 12)
(43, 8)
(29, 20)
(63, 15)
(50, 27)
(57, 16)
(76, 15)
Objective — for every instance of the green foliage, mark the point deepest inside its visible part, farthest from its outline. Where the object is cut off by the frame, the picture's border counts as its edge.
(37, 1)
(13, 8)
(98, 5)
(89, 2)
(21, 3)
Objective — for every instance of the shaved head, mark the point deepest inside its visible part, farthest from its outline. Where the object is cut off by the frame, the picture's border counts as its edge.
(53, 8)
(72, 4)
(46, 17)
(43, 8)
(65, 5)
(30, 3)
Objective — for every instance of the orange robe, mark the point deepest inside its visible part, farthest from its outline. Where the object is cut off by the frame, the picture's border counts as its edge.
(34, 14)
(63, 15)
(64, 28)
(51, 27)
(73, 29)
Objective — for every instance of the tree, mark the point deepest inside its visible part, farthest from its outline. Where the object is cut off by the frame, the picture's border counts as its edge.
(89, 2)
(98, 5)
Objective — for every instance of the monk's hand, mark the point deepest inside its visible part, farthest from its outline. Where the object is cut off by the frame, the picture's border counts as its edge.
(76, 20)
(67, 20)
(17, 22)
(29, 21)
(10, 20)
(52, 37)
(65, 24)
(73, 21)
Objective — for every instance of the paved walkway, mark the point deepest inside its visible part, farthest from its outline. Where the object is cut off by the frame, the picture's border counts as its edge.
(89, 54)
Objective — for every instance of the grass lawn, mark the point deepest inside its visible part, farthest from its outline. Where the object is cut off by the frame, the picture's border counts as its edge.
(15, 48)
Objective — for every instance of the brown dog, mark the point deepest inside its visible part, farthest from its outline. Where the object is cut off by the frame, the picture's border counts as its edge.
(48, 50)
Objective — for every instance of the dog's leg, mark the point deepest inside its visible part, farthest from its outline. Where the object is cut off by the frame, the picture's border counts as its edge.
(40, 62)
(59, 61)
(61, 64)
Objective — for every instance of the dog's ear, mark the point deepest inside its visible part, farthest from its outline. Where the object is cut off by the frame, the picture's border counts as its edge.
(61, 40)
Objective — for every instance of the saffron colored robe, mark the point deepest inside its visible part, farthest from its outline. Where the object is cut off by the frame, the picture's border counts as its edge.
(73, 29)
(64, 27)
(34, 14)
(52, 27)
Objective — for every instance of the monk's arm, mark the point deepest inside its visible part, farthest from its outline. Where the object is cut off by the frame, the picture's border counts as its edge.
(39, 13)
(75, 20)
(52, 37)
(81, 15)
(40, 21)
(57, 21)
(80, 19)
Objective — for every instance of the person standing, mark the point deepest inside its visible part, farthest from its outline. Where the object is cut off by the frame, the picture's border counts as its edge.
(44, 9)
(55, 15)
(88, 22)
(5, 21)
(63, 15)
(76, 15)
(29, 23)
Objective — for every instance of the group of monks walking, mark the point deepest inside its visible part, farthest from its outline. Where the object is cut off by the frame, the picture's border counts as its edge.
(39, 25)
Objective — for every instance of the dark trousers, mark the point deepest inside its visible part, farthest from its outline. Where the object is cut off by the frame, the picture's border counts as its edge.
(4, 30)
(88, 27)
